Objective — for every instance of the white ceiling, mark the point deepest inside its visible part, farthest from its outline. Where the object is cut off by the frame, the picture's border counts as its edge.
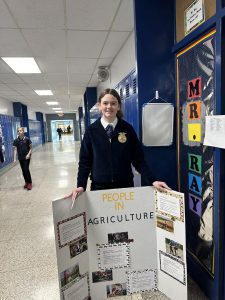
(69, 40)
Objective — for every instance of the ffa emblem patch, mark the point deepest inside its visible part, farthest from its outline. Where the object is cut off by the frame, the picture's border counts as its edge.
(122, 137)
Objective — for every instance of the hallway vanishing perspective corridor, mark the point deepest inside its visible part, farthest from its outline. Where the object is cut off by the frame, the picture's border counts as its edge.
(28, 268)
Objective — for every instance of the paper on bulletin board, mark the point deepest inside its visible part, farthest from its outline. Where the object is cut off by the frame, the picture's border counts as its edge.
(157, 124)
(215, 131)
(194, 16)
(106, 245)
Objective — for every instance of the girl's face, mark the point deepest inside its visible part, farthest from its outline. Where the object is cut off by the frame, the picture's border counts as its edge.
(109, 106)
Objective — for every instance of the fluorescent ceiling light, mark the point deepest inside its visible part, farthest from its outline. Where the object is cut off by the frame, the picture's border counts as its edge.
(56, 108)
(58, 111)
(22, 65)
(52, 103)
(44, 92)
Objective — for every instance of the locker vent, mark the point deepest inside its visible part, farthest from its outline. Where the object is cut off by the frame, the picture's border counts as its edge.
(121, 94)
(127, 90)
(134, 86)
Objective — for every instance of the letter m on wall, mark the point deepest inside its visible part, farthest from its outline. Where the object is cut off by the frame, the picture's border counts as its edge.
(195, 88)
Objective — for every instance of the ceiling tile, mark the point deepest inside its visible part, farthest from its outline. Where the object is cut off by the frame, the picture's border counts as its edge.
(104, 62)
(55, 78)
(79, 79)
(10, 78)
(38, 85)
(19, 87)
(113, 44)
(9, 93)
(13, 43)
(33, 78)
(81, 65)
(4, 87)
(6, 20)
(16, 98)
(48, 43)
(124, 20)
(4, 68)
(85, 44)
(91, 15)
(52, 65)
(27, 94)
(37, 14)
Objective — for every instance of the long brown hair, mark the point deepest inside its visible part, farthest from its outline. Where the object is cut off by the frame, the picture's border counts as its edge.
(116, 95)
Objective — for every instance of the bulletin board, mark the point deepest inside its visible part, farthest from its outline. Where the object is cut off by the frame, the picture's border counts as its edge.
(195, 101)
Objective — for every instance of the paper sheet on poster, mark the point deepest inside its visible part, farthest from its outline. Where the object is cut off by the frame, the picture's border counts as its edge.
(215, 131)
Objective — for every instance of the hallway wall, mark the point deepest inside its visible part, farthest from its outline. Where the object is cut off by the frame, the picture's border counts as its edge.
(6, 107)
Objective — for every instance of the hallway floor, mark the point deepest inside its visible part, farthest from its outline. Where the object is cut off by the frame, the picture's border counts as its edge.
(28, 268)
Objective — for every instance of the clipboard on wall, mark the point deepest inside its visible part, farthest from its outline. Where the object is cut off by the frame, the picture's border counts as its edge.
(157, 123)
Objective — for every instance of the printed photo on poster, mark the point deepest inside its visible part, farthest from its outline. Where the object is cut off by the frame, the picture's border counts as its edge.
(172, 267)
(78, 247)
(71, 229)
(69, 275)
(112, 256)
(170, 204)
(118, 237)
(100, 276)
(141, 281)
(164, 223)
(174, 248)
(79, 290)
(117, 289)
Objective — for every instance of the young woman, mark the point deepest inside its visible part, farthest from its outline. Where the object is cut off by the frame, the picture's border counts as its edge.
(109, 148)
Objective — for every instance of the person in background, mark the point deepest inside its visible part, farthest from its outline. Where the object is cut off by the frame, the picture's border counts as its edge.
(59, 130)
(108, 149)
(68, 129)
(23, 148)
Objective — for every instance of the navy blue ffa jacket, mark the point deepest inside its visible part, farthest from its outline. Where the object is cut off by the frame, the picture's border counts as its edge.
(109, 163)
(23, 147)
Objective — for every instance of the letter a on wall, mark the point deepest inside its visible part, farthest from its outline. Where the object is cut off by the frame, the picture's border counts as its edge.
(195, 183)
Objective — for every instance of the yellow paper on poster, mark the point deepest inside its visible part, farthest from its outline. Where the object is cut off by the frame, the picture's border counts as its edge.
(194, 132)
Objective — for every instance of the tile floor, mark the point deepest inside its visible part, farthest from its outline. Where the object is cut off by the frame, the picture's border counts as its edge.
(28, 269)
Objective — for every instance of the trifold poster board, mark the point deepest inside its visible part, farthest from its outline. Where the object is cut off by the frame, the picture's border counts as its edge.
(121, 242)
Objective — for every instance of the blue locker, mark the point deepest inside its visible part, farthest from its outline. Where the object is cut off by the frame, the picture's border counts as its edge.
(9, 125)
(35, 133)
(127, 89)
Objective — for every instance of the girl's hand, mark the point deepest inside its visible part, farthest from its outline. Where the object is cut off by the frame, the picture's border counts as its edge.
(74, 194)
(161, 186)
